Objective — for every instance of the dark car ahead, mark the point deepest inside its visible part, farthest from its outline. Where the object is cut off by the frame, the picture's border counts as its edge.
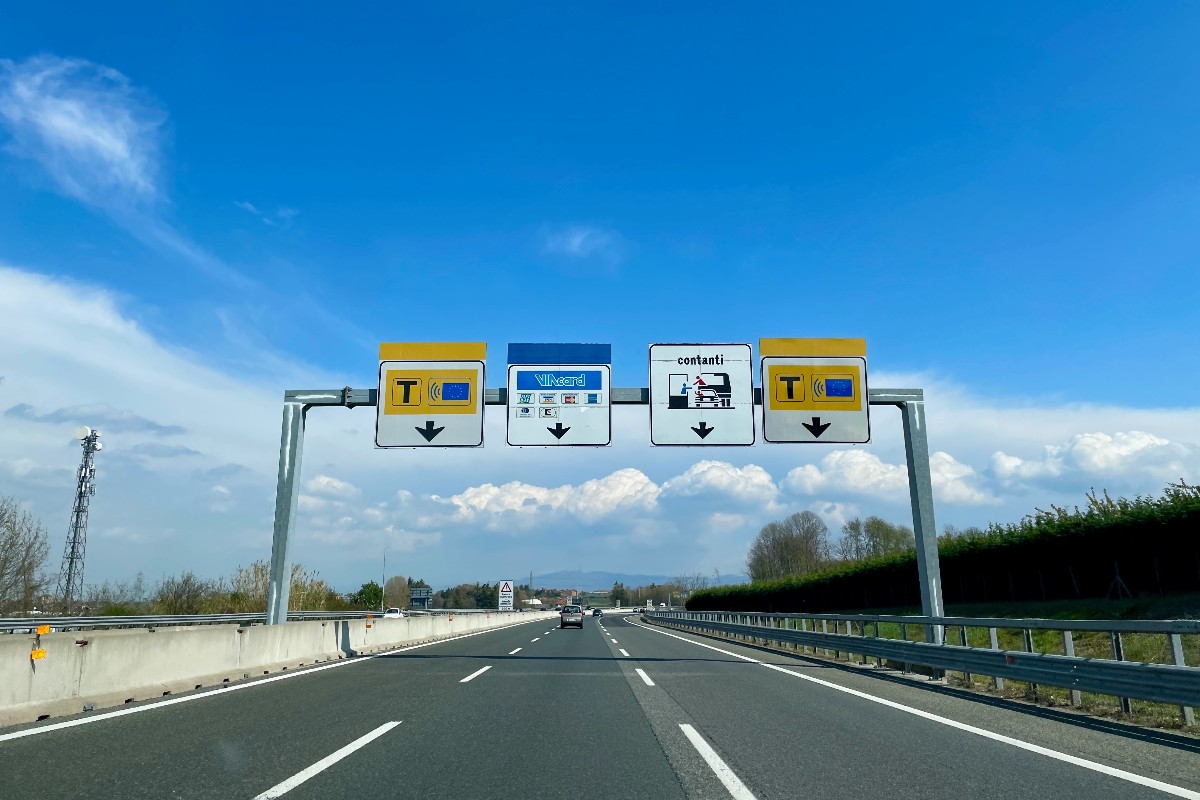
(597, 612)
(571, 615)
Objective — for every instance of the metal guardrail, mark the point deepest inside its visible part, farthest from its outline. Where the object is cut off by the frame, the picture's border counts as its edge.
(1176, 683)
(30, 624)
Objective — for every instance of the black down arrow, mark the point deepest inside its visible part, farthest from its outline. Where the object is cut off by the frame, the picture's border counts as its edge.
(558, 430)
(815, 427)
(429, 431)
(704, 430)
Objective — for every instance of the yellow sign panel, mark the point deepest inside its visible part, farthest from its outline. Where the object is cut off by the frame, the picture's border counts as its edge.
(823, 348)
(433, 351)
(41, 629)
(37, 654)
(425, 391)
(813, 387)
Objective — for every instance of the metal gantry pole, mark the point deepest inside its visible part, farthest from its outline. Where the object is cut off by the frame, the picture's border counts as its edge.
(920, 489)
(291, 449)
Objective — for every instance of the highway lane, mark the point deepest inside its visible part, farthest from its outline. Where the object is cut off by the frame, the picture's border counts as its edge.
(782, 732)
(614, 710)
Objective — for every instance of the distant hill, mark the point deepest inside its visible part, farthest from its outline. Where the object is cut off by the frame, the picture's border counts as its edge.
(597, 581)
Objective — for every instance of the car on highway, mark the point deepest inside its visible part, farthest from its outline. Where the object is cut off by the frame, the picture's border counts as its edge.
(393, 613)
(571, 615)
(597, 612)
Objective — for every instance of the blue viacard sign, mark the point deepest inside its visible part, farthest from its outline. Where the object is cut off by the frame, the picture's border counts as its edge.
(559, 379)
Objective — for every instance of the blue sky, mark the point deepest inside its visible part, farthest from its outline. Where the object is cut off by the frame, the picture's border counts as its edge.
(1003, 202)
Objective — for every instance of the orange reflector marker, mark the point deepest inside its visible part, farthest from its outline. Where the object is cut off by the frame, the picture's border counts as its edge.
(36, 654)
(43, 629)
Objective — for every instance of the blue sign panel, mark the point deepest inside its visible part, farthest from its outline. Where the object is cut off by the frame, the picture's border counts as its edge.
(543, 379)
(560, 353)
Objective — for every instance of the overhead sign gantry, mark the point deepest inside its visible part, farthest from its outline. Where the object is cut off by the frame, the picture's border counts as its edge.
(433, 394)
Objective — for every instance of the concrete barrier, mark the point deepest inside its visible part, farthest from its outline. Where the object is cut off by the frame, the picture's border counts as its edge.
(105, 668)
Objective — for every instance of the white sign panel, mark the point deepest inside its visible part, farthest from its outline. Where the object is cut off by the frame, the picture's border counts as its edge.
(506, 595)
(812, 399)
(701, 394)
(429, 404)
(558, 404)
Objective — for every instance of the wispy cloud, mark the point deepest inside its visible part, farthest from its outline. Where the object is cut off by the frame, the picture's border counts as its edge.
(282, 216)
(581, 242)
(97, 415)
(99, 140)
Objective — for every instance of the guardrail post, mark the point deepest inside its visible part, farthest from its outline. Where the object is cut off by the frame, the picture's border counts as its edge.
(994, 641)
(1027, 638)
(1069, 651)
(1189, 717)
(904, 636)
(862, 629)
(291, 449)
(1118, 649)
(962, 639)
(878, 659)
(825, 631)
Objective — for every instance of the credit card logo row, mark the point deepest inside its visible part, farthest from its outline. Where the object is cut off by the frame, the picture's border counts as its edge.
(560, 398)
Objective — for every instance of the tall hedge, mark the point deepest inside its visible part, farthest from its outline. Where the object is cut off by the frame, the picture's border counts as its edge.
(1112, 548)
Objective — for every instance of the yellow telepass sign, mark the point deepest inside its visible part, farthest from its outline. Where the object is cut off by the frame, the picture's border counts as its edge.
(815, 390)
(430, 394)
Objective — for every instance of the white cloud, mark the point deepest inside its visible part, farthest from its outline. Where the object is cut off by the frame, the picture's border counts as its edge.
(329, 486)
(1100, 455)
(589, 501)
(863, 472)
(750, 483)
(584, 242)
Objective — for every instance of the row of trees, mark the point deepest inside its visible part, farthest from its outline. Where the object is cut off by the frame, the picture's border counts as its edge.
(801, 545)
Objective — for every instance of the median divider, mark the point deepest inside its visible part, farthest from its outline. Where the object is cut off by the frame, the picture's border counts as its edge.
(92, 669)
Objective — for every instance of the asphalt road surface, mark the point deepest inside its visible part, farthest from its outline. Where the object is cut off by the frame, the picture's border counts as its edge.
(616, 710)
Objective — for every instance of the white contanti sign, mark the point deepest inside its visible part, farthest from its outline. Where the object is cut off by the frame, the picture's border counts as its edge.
(701, 394)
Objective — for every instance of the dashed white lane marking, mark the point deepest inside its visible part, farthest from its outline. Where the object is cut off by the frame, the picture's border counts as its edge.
(645, 678)
(614, 641)
(475, 674)
(280, 789)
(1141, 780)
(531, 641)
(733, 784)
(514, 652)
(623, 652)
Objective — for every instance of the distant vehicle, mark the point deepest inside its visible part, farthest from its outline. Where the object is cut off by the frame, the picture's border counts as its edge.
(597, 612)
(393, 613)
(571, 615)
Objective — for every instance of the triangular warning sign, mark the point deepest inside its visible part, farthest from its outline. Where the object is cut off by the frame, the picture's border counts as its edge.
(506, 587)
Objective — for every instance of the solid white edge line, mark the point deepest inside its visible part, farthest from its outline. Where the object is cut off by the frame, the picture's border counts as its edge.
(1141, 780)
(514, 652)
(622, 649)
(733, 784)
(476, 674)
(150, 706)
(644, 676)
(280, 789)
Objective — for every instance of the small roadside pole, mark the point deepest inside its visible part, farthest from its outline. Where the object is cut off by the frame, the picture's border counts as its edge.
(832, 410)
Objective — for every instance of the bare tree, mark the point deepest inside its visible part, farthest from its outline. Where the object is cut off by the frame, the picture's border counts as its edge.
(23, 551)
(690, 583)
(395, 591)
(796, 546)
(852, 546)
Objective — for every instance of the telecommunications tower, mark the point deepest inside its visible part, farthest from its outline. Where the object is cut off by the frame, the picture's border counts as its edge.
(70, 574)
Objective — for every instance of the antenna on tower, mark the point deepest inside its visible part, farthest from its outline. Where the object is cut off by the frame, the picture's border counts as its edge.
(70, 574)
